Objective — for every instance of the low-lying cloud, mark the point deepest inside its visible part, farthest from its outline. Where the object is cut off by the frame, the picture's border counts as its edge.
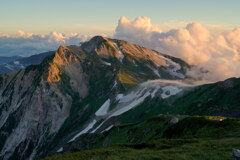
(218, 54)
(25, 44)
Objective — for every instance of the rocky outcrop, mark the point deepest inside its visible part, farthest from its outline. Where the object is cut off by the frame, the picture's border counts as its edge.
(34, 104)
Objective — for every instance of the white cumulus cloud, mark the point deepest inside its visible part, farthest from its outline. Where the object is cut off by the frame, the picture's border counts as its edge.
(194, 43)
(25, 44)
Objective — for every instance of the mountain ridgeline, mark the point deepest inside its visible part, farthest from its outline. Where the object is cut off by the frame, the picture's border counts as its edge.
(4, 60)
(91, 88)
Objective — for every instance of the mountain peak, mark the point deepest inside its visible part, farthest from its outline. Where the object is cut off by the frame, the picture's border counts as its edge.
(98, 39)
(103, 47)
(129, 53)
(63, 58)
(120, 49)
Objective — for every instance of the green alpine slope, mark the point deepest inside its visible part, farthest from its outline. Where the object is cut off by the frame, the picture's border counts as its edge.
(219, 99)
(162, 137)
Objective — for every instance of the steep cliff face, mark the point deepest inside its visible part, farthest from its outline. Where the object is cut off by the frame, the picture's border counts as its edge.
(34, 102)
(77, 90)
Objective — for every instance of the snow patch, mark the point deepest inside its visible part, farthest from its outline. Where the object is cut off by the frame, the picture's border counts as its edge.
(120, 52)
(129, 102)
(90, 126)
(155, 71)
(129, 106)
(107, 129)
(115, 84)
(93, 131)
(106, 63)
(126, 103)
(122, 57)
(132, 95)
(169, 91)
(119, 96)
(60, 149)
(153, 94)
(102, 111)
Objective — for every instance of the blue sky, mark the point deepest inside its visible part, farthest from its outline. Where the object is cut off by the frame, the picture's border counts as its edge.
(94, 16)
(205, 33)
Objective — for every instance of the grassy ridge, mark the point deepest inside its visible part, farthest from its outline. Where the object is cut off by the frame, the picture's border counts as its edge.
(166, 149)
(190, 138)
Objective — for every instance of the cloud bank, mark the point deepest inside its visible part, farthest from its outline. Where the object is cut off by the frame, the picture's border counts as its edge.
(218, 54)
(25, 44)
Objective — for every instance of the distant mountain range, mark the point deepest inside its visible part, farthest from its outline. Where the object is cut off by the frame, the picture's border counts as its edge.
(4, 60)
(15, 63)
(90, 89)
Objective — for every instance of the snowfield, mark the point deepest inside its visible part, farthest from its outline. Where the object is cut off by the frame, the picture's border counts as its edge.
(108, 128)
(125, 102)
(90, 126)
(169, 91)
(130, 103)
(106, 63)
(60, 149)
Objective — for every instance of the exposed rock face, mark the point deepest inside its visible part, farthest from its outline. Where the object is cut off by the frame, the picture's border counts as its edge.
(46, 104)
(34, 104)
(127, 53)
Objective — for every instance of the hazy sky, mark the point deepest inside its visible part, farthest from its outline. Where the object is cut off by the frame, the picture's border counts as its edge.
(95, 16)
